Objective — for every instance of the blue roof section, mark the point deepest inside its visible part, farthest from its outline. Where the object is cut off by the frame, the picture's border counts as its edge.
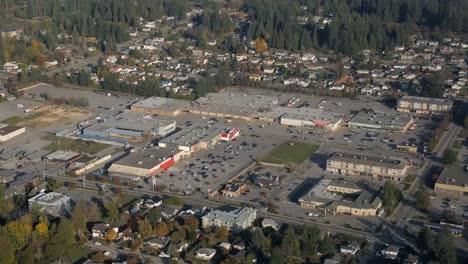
(123, 132)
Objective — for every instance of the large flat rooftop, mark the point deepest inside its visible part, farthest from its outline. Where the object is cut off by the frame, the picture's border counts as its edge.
(131, 121)
(147, 158)
(233, 103)
(8, 129)
(193, 135)
(161, 102)
(455, 176)
(381, 119)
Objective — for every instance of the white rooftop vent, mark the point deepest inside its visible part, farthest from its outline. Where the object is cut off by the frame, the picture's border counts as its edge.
(140, 162)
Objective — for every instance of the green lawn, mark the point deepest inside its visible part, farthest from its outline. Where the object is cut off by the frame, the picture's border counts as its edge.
(78, 254)
(18, 119)
(290, 153)
(61, 143)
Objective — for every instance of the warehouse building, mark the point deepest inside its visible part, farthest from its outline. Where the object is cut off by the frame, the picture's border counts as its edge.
(309, 117)
(160, 106)
(334, 197)
(381, 121)
(146, 162)
(424, 105)
(52, 203)
(8, 132)
(193, 139)
(453, 181)
(129, 127)
(371, 166)
(232, 105)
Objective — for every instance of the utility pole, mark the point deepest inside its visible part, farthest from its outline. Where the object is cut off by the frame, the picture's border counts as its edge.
(84, 180)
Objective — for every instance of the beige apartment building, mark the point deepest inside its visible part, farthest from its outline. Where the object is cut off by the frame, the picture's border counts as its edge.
(424, 105)
(370, 166)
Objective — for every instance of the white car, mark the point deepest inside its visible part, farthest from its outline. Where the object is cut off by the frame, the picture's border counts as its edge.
(313, 214)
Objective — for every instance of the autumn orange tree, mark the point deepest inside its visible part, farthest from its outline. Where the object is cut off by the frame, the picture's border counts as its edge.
(260, 45)
(111, 235)
(162, 230)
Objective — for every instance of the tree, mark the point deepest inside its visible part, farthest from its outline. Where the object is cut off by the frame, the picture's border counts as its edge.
(153, 216)
(20, 231)
(277, 257)
(327, 245)
(260, 243)
(423, 200)
(450, 157)
(191, 222)
(426, 239)
(7, 254)
(145, 229)
(289, 243)
(444, 248)
(222, 233)
(60, 242)
(391, 196)
(310, 240)
(110, 235)
(112, 212)
(82, 213)
(162, 229)
(42, 229)
(260, 45)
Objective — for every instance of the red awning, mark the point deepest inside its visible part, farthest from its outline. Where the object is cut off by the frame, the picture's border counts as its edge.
(167, 164)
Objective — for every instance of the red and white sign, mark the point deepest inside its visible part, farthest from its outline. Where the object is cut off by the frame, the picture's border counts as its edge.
(321, 123)
(228, 136)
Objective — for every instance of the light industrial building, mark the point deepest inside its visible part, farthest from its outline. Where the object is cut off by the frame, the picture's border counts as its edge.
(53, 203)
(129, 127)
(61, 156)
(381, 121)
(371, 166)
(453, 181)
(234, 219)
(424, 105)
(146, 162)
(160, 106)
(8, 132)
(194, 138)
(333, 196)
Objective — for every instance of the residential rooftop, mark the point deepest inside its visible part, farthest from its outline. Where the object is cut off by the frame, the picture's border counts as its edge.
(420, 99)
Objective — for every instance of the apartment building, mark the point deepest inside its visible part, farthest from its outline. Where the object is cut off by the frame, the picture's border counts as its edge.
(371, 166)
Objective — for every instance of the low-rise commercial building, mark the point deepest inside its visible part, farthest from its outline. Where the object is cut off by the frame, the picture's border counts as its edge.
(452, 181)
(61, 156)
(424, 105)
(8, 132)
(310, 117)
(193, 139)
(381, 121)
(129, 127)
(234, 219)
(234, 190)
(146, 162)
(160, 106)
(379, 168)
(332, 196)
(52, 203)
